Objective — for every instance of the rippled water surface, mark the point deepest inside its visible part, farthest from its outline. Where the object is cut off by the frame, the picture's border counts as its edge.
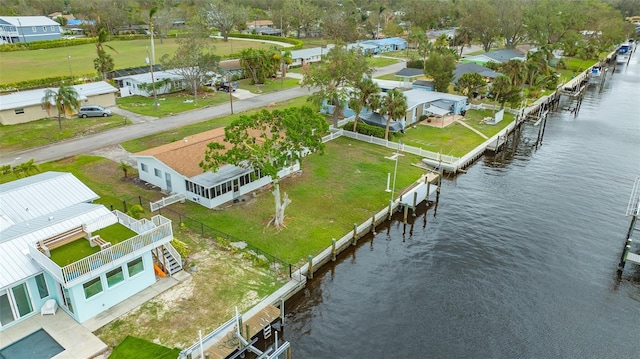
(520, 260)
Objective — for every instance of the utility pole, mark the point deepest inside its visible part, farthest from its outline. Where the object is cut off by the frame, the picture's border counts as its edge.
(153, 58)
(230, 87)
(70, 73)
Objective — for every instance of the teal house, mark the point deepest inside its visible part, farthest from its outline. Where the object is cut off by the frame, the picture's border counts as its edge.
(60, 251)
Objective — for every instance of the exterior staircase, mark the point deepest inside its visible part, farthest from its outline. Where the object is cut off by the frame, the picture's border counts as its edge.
(173, 264)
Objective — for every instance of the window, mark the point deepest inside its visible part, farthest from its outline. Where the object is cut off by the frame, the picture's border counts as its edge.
(34, 29)
(19, 111)
(53, 28)
(115, 276)
(92, 287)
(44, 29)
(144, 167)
(157, 172)
(135, 266)
(41, 283)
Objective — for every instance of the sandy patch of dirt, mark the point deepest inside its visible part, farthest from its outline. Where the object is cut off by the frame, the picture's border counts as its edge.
(116, 153)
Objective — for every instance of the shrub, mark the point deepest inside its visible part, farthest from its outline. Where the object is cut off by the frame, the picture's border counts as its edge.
(366, 130)
(181, 247)
(415, 64)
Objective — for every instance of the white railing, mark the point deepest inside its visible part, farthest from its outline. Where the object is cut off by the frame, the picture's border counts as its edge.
(174, 253)
(212, 338)
(100, 222)
(633, 209)
(136, 225)
(46, 262)
(165, 201)
(138, 244)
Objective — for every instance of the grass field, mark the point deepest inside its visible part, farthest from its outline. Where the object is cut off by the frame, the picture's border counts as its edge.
(78, 60)
(171, 103)
(132, 347)
(43, 132)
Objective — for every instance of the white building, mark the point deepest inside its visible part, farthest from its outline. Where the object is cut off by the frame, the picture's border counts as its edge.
(175, 168)
(141, 84)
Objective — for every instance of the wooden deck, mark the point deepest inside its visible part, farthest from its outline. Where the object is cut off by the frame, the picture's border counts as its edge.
(226, 346)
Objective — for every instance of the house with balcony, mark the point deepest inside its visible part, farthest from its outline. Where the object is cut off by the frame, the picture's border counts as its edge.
(28, 28)
(175, 168)
(60, 251)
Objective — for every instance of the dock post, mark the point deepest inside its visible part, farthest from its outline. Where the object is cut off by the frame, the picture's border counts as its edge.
(355, 234)
(282, 312)
(627, 245)
(415, 203)
(333, 249)
(390, 206)
(289, 353)
(247, 334)
(406, 212)
(373, 223)
(310, 268)
(428, 191)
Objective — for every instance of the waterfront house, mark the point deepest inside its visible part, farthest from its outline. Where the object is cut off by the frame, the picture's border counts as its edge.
(472, 67)
(58, 250)
(28, 28)
(26, 106)
(175, 168)
(499, 56)
(422, 102)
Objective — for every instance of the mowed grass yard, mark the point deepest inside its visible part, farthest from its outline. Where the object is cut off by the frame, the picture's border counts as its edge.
(455, 139)
(36, 64)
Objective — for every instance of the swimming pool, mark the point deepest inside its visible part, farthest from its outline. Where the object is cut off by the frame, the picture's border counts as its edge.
(37, 345)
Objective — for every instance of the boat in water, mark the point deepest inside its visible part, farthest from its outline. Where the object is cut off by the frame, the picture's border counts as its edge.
(596, 74)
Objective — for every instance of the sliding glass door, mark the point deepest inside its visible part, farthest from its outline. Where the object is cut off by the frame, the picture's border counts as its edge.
(14, 304)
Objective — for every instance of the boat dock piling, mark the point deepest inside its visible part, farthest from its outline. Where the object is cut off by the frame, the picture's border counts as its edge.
(633, 211)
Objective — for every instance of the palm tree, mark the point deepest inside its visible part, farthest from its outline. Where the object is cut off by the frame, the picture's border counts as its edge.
(394, 105)
(125, 167)
(360, 98)
(65, 100)
(501, 85)
(515, 70)
(104, 62)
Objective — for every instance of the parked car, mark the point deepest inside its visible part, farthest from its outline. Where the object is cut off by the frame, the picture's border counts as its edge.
(226, 86)
(93, 111)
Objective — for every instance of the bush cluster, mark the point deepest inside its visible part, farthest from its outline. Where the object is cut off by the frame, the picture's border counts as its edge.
(367, 130)
(415, 64)
(181, 247)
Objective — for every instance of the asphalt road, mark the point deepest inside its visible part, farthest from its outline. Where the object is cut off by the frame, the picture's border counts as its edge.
(144, 126)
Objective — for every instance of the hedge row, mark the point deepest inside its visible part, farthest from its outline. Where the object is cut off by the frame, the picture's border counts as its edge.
(46, 82)
(365, 129)
(297, 44)
(46, 44)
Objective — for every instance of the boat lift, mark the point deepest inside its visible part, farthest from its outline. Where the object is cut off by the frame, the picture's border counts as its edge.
(633, 211)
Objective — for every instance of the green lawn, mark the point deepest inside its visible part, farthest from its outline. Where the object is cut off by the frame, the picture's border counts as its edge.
(43, 132)
(73, 252)
(454, 140)
(81, 248)
(335, 190)
(270, 85)
(473, 118)
(171, 103)
(381, 61)
(134, 348)
(115, 233)
(78, 60)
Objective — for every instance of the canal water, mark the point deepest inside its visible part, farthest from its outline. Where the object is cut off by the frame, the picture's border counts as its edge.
(518, 260)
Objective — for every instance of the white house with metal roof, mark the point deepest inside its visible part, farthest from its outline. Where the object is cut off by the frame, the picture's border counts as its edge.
(26, 106)
(174, 168)
(28, 28)
(422, 102)
(59, 250)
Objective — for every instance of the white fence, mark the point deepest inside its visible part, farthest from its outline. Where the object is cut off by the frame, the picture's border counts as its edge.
(165, 201)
